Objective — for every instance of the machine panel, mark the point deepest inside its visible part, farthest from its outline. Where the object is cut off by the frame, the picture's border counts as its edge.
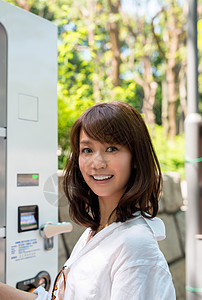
(3, 117)
(28, 144)
(3, 74)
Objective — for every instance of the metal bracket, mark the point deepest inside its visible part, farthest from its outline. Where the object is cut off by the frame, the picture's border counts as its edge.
(3, 132)
(2, 232)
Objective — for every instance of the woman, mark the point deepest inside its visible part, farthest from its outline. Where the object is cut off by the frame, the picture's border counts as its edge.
(113, 182)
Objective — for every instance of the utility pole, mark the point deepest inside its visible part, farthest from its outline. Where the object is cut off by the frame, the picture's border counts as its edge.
(192, 144)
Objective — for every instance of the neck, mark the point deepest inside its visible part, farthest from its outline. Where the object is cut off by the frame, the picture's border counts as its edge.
(105, 219)
(106, 209)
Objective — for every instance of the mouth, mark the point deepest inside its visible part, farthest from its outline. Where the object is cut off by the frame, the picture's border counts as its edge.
(101, 177)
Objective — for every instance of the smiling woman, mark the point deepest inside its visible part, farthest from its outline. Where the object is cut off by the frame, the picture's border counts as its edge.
(111, 140)
(106, 169)
(112, 182)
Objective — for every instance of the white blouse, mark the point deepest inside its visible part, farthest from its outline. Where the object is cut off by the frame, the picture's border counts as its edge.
(123, 261)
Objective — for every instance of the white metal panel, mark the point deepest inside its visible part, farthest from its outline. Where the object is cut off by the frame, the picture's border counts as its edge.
(199, 261)
(31, 141)
(3, 75)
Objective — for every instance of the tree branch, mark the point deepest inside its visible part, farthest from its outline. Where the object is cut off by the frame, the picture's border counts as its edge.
(154, 34)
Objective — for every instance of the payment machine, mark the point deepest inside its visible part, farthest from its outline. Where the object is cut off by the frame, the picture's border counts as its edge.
(28, 149)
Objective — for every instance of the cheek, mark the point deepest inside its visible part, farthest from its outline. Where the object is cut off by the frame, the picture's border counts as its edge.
(80, 164)
(126, 167)
(126, 163)
(85, 162)
(83, 165)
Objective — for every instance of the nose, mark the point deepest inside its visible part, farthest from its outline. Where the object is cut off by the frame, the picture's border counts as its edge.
(99, 161)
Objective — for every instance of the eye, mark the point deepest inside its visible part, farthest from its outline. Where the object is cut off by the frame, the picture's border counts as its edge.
(112, 149)
(86, 150)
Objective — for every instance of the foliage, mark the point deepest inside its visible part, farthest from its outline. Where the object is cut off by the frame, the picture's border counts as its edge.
(171, 154)
(85, 61)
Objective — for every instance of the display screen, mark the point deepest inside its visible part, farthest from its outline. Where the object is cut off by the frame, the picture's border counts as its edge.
(28, 221)
(28, 179)
(27, 218)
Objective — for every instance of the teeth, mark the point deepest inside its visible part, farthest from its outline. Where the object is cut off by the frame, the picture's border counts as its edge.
(101, 177)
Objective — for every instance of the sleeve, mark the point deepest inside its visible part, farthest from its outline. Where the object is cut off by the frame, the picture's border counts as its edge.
(42, 294)
(143, 282)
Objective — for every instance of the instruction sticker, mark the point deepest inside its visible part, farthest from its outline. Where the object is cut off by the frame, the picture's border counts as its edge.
(25, 249)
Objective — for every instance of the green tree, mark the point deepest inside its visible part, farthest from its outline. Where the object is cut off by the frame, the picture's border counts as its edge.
(170, 40)
(106, 54)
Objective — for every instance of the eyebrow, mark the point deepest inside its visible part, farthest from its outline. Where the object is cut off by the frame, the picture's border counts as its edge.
(86, 142)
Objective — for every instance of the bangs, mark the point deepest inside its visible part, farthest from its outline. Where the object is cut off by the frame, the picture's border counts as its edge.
(104, 124)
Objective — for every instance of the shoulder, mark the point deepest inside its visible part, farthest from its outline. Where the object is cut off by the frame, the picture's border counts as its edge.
(136, 241)
(140, 230)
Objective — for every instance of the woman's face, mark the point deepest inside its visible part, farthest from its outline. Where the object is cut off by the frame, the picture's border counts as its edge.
(105, 168)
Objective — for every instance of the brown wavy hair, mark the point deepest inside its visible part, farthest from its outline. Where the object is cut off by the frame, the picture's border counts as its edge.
(114, 123)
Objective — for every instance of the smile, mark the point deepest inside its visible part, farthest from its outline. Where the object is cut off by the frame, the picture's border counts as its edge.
(101, 177)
